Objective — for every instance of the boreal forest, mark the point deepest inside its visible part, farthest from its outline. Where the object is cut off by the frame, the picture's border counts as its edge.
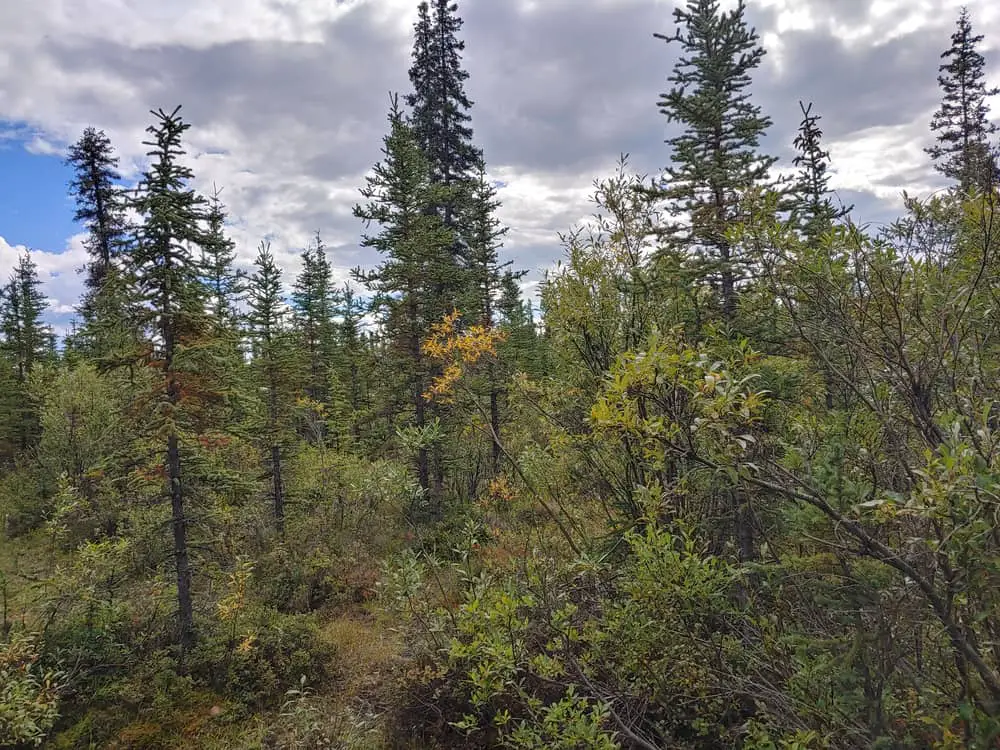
(730, 480)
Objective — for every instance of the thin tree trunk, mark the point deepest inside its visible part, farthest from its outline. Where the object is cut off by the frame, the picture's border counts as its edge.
(419, 406)
(438, 491)
(181, 559)
(182, 562)
(423, 460)
(495, 426)
(277, 490)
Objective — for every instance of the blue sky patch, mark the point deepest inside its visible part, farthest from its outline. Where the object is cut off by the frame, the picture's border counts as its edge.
(35, 209)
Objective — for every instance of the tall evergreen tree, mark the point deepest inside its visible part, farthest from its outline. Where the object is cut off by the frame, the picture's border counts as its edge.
(440, 121)
(11, 402)
(226, 285)
(486, 233)
(272, 362)
(349, 366)
(963, 151)
(485, 239)
(100, 202)
(812, 206)
(108, 334)
(440, 108)
(313, 300)
(416, 265)
(172, 215)
(716, 157)
(26, 342)
(441, 125)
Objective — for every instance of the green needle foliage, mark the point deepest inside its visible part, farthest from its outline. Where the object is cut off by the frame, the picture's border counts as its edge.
(963, 152)
(715, 159)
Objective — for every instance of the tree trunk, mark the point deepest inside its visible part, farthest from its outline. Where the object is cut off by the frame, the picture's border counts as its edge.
(728, 285)
(181, 560)
(423, 459)
(277, 490)
(495, 426)
(438, 490)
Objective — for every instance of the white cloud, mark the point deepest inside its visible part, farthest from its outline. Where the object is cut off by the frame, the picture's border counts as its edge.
(58, 272)
(288, 97)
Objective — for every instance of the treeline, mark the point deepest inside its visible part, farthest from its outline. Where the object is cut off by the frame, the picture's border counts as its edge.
(736, 486)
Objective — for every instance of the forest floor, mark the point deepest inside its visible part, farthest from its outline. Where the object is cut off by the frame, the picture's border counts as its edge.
(347, 711)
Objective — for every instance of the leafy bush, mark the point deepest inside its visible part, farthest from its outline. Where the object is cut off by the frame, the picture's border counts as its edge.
(255, 664)
(23, 501)
(29, 705)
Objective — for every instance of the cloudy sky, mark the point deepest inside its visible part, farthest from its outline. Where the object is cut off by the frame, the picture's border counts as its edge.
(287, 100)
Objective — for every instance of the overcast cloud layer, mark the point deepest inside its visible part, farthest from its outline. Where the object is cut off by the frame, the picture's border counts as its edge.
(288, 98)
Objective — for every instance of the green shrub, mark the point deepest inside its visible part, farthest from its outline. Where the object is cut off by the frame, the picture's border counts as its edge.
(24, 503)
(29, 705)
(257, 663)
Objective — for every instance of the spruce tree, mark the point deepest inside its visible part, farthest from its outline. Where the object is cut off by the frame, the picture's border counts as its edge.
(224, 289)
(172, 217)
(716, 160)
(349, 366)
(963, 150)
(100, 202)
(485, 234)
(440, 122)
(108, 333)
(27, 339)
(485, 239)
(11, 403)
(813, 210)
(716, 157)
(273, 364)
(26, 342)
(226, 285)
(522, 348)
(439, 106)
(313, 301)
(416, 266)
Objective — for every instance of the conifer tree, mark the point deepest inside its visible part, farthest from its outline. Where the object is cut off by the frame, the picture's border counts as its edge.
(108, 334)
(225, 284)
(172, 215)
(441, 125)
(440, 108)
(26, 342)
(348, 370)
(100, 202)
(11, 403)
(272, 362)
(813, 210)
(485, 239)
(963, 150)
(716, 157)
(414, 245)
(313, 300)
(440, 121)
(521, 349)
(486, 233)
(224, 287)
